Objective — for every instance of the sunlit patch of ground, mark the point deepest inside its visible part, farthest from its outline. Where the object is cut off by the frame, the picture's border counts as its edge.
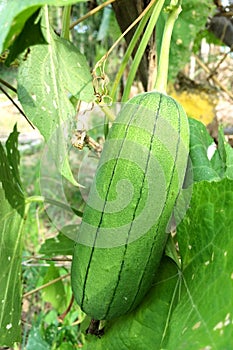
(9, 115)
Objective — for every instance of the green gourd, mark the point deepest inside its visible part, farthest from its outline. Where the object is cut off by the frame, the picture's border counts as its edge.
(125, 223)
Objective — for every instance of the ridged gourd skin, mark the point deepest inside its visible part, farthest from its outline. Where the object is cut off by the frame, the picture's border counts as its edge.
(114, 270)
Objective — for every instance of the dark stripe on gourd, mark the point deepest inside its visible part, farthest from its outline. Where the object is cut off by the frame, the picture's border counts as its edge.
(108, 282)
(105, 201)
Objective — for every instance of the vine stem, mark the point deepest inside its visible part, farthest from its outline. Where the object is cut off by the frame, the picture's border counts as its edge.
(129, 51)
(104, 57)
(162, 74)
(141, 49)
(108, 112)
(38, 199)
(41, 199)
(65, 31)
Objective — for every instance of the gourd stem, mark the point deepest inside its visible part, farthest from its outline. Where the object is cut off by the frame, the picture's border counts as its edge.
(162, 74)
(108, 112)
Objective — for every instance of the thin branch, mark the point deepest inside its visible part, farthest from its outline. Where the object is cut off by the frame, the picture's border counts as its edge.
(46, 259)
(219, 63)
(9, 86)
(215, 80)
(15, 104)
(46, 285)
(91, 13)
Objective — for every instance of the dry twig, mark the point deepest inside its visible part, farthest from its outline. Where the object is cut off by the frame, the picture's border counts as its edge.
(215, 80)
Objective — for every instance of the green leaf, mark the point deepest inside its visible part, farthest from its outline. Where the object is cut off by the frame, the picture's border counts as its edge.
(216, 167)
(13, 155)
(11, 227)
(145, 327)
(59, 245)
(203, 317)
(15, 13)
(12, 211)
(66, 346)
(35, 340)
(225, 153)
(108, 26)
(31, 34)
(45, 79)
(200, 141)
(55, 293)
(9, 174)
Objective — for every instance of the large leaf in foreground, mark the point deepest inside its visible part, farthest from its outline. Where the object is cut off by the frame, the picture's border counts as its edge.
(11, 225)
(198, 315)
(203, 317)
(50, 73)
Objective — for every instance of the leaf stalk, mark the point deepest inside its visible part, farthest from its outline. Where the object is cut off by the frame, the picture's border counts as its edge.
(162, 75)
